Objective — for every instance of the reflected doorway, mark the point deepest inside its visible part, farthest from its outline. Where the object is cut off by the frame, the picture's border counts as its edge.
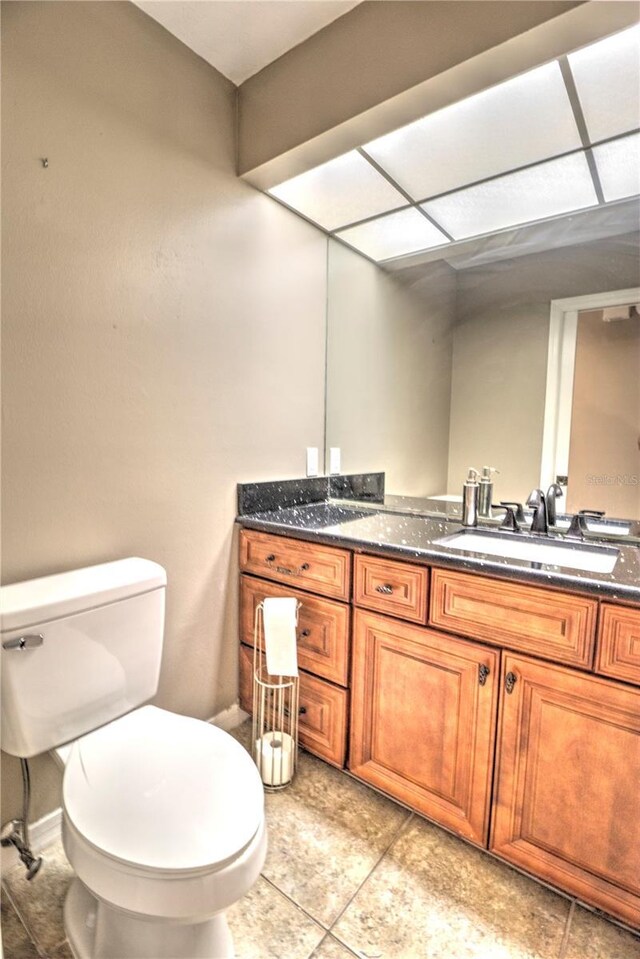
(604, 449)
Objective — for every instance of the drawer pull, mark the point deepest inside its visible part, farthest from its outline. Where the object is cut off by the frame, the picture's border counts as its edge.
(286, 570)
(386, 590)
(509, 682)
(302, 710)
(305, 633)
(483, 672)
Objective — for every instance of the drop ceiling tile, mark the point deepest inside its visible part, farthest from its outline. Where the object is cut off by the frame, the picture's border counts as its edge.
(549, 189)
(340, 192)
(521, 121)
(406, 231)
(618, 164)
(607, 78)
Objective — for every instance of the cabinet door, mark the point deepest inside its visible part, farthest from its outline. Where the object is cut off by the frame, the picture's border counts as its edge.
(423, 720)
(567, 805)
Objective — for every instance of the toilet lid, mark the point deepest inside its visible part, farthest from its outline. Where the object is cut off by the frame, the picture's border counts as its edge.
(163, 791)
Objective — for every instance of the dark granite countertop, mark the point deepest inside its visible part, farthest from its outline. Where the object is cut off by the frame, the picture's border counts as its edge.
(403, 531)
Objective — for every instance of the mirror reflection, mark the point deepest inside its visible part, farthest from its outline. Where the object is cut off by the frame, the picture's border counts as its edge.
(521, 353)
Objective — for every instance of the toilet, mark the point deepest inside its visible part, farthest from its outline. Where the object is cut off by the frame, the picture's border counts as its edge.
(162, 815)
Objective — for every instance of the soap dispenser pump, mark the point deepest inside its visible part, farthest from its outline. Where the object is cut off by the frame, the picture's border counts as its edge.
(470, 499)
(485, 492)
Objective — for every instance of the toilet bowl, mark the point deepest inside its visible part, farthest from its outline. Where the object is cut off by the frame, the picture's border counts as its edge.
(163, 815)
(163, 824)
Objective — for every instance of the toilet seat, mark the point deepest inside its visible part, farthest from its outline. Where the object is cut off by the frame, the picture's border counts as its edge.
(161, 812)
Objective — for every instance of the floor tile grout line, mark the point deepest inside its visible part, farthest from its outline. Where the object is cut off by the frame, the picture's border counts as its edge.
(329, 938)
(293, 902)
(567, 928)
(396, 835)
(23, 922)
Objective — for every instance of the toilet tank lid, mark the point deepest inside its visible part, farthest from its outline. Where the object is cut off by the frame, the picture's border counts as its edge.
(63, 594)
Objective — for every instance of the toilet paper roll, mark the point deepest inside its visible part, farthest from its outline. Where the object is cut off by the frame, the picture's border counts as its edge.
(274, 758)
(280, 614)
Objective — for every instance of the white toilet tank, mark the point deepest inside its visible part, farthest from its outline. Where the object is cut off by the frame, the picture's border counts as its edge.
(78, 650)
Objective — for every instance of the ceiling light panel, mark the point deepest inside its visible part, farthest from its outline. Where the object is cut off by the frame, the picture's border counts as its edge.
(407, 231)
(618, 164)
(549, 189)
(521, 121)
(607, 78)
(339, 192)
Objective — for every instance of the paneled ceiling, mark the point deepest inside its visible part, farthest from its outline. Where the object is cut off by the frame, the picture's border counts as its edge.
(240, 37)
(558, 139)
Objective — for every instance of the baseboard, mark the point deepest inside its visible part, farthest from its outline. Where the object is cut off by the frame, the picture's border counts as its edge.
(42, 833)
(230, 718)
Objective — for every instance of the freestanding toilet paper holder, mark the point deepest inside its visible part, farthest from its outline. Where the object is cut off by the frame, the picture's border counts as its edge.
(275, 715)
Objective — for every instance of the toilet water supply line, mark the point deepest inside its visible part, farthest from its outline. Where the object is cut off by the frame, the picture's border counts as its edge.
(16, 832)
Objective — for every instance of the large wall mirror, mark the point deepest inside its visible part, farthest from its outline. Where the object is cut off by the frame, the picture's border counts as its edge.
(520, 352)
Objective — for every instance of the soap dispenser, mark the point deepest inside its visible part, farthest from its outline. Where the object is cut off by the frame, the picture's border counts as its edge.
(485, 492)
(470, 499)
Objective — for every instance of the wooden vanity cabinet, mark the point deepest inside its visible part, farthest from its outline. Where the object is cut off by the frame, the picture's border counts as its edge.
(531, 619)
(325, 570)
(283, 565)
(507, 712)
(619, 643)
(322, 724)
(567, 793)
(423, 720)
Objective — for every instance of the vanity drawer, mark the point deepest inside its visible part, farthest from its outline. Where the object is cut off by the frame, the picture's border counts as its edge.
(322, 569)
(619, 643)
(323, 628)
(387, 586)
(558, 626)
(322, 724)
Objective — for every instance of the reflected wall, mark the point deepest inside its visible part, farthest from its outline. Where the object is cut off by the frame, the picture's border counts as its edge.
(434, 369)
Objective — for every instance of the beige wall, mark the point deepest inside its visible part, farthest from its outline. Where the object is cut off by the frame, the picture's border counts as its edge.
(380, 51)
(604, 455)
(389, 370)
(500, 354)
(163, 328)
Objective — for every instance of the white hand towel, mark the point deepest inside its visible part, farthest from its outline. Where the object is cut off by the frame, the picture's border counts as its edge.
(280, 620)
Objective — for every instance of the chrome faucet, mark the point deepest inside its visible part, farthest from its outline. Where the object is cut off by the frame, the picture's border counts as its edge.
(553, 493)
(536, 501)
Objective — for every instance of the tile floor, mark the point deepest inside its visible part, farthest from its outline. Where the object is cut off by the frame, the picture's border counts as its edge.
(350, 873)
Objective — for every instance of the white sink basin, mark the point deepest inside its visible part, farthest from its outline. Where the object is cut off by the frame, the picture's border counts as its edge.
(593, 559)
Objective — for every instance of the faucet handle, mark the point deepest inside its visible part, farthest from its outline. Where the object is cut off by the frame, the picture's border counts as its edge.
(517, 507)
(578, 526)
(509, 522)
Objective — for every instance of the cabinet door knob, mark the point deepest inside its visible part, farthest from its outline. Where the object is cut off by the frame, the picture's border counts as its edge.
(509, 682)
(386, 590)
(305, 566)
(302, 710)
(270, 558)
(483, 672)
(305, 633)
